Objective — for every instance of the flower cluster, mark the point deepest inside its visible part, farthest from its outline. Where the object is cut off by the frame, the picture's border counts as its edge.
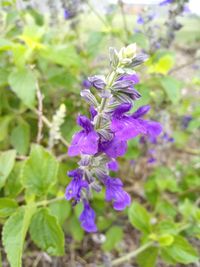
(105, 134)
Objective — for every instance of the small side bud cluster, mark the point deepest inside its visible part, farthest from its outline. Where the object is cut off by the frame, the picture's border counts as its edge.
(57, 121)
(105, 134)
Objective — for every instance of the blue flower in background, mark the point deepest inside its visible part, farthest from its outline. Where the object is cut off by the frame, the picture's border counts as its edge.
(166, 2)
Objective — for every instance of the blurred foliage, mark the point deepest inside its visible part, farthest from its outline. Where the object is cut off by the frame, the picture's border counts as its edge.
(38, 57)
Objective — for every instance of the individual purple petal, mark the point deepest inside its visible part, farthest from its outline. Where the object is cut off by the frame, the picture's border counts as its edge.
(141, 111)
(93, 112)
(114, 148)
(131, 77)
(87, 218)
(84, 143)
(114, 192)
(86, 84)
(113, 165)
(121, 109)
(74, 188)
(85, 123)
(97, 82)
(153, 128)
(127, 128)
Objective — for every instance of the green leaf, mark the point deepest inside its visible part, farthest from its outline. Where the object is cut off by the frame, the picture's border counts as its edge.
(13, 184)
(14, 233)
(165, 240)
(180, 251)
(4, 123)
(46, 232)
(162, 65)
(139, 218)
(61, 210)
(73, 227)
(7, 160)
(23, 83)
(39, 173)
(7, 207)
(63, 55)
(148, 257)
(20, 138)
(172, 88)
(113, 236)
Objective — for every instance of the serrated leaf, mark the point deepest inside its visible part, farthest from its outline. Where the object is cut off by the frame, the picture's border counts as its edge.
(113, 236)
(13, 184)
(61, 210)
(14, 233)
(46, 232)
(7, 206)
(20, 138)
(23, 83)
(7, 160)
(181, 251)
(139, 217)
(39, 173)
(148, 257)
(172, 88)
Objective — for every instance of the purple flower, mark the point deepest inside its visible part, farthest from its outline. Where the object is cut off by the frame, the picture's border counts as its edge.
(130, 77)
(151, 160)
(114, 192)
(113, 165)
(97, 82)
(114, 148)
(140, 20)
(93, 112)
(186, 121)
(85, 141)
(74, 188)
(166, 2)
(67, 14)
(86, 84)
(87, 218)
(126, 127)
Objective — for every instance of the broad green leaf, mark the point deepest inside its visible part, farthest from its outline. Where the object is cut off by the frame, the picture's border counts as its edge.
(21, 54)
(61, 210)
(13, 184)
(5, 44)
(46, 232)
(113, 236)
(23, 83)
(139, 218)
(20, 138)
(165, 240)
(62, 55)
(7, 207)
(39, 173)
(172, 88)
(4, 123)
(14, 233)
(181, 251)
(4, 76)
(148, 257)
(162, 65)
(7, 160)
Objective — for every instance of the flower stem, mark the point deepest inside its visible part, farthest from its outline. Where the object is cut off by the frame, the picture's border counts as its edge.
(132, 254)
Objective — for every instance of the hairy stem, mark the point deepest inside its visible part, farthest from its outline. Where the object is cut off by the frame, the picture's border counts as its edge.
(131, 255)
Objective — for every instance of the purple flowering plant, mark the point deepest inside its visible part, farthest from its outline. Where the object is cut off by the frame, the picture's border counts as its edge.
(104, 135)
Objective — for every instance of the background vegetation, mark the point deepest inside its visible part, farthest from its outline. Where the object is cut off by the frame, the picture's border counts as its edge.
(44, 62)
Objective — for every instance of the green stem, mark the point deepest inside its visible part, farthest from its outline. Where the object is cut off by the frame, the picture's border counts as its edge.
(47, 202)
(121, 5)
(97, 14)
(131, 255)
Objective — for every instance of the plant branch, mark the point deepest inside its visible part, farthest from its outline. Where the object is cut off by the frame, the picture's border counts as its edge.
(48, 124)
(47, 202)
(131, 255)
(184, 65)
(40, 98)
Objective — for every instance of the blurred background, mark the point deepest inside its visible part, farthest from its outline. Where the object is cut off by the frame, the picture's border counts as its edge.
(47, 50)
